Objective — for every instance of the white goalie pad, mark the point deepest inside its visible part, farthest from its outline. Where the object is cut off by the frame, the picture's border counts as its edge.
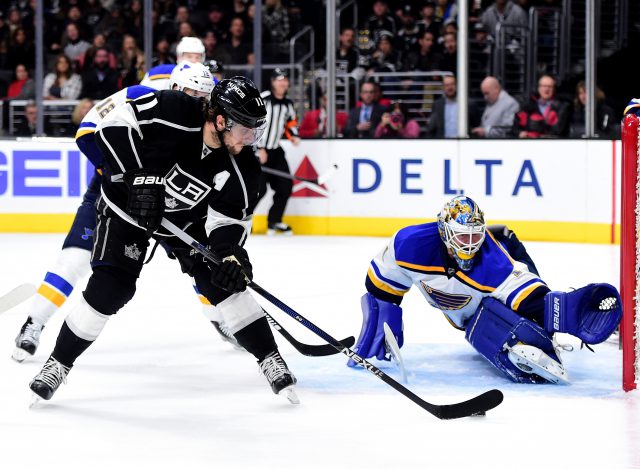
(532, 360)
(394, 350)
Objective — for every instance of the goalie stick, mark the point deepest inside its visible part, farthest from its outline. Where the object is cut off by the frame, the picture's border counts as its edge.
(308, 349)
(475, 406)
(324, 177)
(16, 296)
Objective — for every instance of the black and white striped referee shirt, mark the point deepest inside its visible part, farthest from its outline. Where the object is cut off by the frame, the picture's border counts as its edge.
(281, 121)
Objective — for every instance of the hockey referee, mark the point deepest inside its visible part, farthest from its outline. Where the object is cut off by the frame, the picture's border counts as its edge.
(281, 117)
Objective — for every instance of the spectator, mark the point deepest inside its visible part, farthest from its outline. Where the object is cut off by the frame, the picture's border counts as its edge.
(133, 20)
(161, 54)
(21, 50)
(93, 13)
(347, 52)
(73, 45)
(74, 16)
(409, 34)
(497, 118)
(364, 119)
(479, 49)
(503, 12)
(5, 34)
(80, 111)
(217, 22)
(606, 121)
(62, 83)
(443, 122)
(429, 22)
(543, 115)
(385, 58)
(314, 124)
(212, 48)
(99, 41)
(113, 27)
(131, 63)
(394, 124)
(446, 10)
(426, 58)
(27, 128)
(237, 47)
(275, 21)
(380, 21)
(100, 80)
(22, 87)
(449, 59)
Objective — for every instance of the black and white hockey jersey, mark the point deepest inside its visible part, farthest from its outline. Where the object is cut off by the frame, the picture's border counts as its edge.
(163, 132)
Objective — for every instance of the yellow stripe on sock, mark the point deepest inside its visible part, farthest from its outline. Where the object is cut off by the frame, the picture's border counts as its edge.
(52, 295)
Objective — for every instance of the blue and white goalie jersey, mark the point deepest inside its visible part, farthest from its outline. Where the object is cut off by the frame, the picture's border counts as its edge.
(417, 256)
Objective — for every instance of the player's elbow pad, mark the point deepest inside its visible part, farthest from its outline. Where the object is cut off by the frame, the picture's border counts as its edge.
(590, 313)
(375, 313)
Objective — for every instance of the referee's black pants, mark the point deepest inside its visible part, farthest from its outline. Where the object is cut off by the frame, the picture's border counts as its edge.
(281, 186)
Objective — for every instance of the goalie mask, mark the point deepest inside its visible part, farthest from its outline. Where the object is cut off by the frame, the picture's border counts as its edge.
(462, 229)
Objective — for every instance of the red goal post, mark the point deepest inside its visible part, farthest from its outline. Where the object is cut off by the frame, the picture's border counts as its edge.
(630, 252)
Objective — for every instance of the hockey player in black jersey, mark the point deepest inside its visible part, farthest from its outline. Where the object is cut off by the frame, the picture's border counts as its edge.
(189, 160)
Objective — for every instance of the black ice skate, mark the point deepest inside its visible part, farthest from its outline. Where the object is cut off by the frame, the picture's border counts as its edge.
(279, 228)
(226, 334)
(279, 377)
(27, 340)
(45, 384)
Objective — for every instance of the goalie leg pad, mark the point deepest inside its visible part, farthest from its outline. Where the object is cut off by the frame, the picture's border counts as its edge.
(590, 313)
(375, 313)
(495, 329)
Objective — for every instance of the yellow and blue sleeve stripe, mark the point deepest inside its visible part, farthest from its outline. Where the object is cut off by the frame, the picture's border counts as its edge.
(384, 284)
(517, 296)
(85, 129)
(55, 289)
(201, 297)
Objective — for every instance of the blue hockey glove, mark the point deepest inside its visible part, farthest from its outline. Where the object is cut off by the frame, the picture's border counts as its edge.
(375, 313)
(590, 313)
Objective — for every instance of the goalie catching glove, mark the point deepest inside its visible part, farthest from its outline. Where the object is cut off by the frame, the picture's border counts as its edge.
(235, 271)
(145, 203)
(590, 313)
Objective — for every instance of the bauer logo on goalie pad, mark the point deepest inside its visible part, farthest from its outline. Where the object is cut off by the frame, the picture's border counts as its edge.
(184, 190)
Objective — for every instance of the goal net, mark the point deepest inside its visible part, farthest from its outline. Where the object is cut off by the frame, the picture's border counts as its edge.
(630, 252)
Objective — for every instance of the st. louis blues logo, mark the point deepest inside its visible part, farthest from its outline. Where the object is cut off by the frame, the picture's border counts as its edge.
(444, 301)
(88, 233)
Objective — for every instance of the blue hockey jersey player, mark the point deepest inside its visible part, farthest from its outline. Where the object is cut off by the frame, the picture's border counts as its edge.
(484, 284)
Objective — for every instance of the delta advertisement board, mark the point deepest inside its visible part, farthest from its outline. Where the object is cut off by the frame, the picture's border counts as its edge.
(551, 190)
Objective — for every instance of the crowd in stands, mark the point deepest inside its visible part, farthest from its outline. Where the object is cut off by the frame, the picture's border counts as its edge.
(94, 48)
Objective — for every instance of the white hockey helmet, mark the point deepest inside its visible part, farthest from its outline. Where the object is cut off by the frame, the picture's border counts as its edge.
(194, 76)
(191, 45)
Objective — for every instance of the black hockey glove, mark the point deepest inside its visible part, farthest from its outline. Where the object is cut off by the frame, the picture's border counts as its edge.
(146, 198)
(234, 271)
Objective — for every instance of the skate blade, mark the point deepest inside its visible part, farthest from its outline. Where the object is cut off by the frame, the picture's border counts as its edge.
(291, 395)
(19, 355)
(35, 401)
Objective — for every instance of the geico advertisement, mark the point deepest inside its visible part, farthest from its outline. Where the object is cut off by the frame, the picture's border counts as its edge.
(513, 180)
(42, 177)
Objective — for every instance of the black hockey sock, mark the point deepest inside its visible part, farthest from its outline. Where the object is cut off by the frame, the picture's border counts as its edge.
(69, 346)
(257, 339)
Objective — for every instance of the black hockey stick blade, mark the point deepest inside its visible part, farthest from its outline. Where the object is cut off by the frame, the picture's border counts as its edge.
(308, 349)
(479, 405)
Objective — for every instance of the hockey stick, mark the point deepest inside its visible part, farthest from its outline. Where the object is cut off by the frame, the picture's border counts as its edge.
(475, 406)
(308, 349)
(318, 181)
(16, 296)
(394, 350)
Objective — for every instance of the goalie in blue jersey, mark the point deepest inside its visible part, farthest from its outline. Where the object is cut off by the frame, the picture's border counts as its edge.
(486, 285)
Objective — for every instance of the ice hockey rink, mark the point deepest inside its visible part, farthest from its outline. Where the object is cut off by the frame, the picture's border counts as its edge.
(160, 389)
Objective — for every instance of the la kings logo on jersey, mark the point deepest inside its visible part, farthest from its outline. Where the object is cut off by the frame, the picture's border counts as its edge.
(183, 190)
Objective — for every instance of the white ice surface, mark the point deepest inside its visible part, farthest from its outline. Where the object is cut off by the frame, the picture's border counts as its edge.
(159, 389)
